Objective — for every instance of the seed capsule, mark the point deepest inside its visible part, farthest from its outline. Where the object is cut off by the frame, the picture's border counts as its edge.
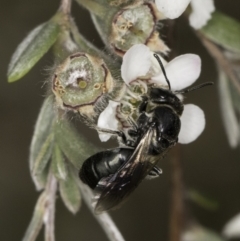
(137, 24)
(80, 83)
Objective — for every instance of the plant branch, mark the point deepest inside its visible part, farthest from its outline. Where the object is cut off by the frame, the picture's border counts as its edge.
(65, 6)
(93, 7)
(177, 209)
(82, 43)
(218, 55)
(103, 219)
(49, 215)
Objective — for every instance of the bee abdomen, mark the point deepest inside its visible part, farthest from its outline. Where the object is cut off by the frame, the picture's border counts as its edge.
(87, 174)
(103, 164)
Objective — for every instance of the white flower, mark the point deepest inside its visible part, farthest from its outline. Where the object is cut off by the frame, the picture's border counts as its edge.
(201, 10)
(139, 64)
(232, 228)
(108, 120)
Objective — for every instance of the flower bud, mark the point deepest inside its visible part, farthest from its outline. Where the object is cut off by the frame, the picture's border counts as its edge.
(80, 83)
(136, 24)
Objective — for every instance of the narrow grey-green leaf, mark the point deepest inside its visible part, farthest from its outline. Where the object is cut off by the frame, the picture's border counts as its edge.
(224, 31)
(75, 147)
(37, 219)
(198, 233)
(227, 110)
(31, 49)
(41, 132)
(70, 192)
(202, 200)
(43, 156)
(40, 180)
(58, 164)
(235, 94)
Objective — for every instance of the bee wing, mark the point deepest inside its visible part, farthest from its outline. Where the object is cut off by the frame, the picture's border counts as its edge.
(113, 190)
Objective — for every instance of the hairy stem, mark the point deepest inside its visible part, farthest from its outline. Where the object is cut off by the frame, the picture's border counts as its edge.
(82, 43)
(49, 215)
(93, 7)
(103, 219)
(177, 209)
(218, 55)
(65, 6)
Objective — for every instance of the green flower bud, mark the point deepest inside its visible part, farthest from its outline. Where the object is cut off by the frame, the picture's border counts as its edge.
(80, 83)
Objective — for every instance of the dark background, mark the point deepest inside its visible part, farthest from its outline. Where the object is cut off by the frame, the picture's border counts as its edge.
(210, 166)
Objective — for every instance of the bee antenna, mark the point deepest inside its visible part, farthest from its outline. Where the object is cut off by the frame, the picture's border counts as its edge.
(163, 70)
(194, 88)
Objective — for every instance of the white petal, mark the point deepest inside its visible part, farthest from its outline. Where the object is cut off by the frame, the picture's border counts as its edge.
(172, 8)
(182, 71)
(232, 228)
(107, 119)
(155, 67)
(136, 62)
(192, 124)
(202, 10)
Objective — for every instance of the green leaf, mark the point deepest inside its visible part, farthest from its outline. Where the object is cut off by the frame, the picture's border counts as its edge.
(43, 156)
(75, 147)
(58, 165)
(224, 31)
(235, 96)
(40, 180)
(41, 133)
(229, 117)
(202, 200)
(37, 219)
(70, 192)
(32, 48)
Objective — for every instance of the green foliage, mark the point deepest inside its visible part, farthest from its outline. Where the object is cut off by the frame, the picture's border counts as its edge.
(58, 165)
(224, 31)
(75, 147)
(202, 200)
(40, 149)
(70, 191)
(32, 48)
(43, 156)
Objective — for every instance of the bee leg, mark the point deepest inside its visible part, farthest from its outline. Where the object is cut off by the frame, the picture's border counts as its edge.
(154, 172)
(121, 134)
(132, 122)
(143, 106)
(125, 141)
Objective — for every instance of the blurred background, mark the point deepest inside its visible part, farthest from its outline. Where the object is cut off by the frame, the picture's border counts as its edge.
(210, 166)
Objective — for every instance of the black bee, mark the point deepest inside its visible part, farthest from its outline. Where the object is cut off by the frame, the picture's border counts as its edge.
(115, 173)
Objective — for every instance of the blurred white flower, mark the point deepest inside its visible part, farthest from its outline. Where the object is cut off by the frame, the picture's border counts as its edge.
(232, 228)
(201, 10)
(139, 64)
(195, 232)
